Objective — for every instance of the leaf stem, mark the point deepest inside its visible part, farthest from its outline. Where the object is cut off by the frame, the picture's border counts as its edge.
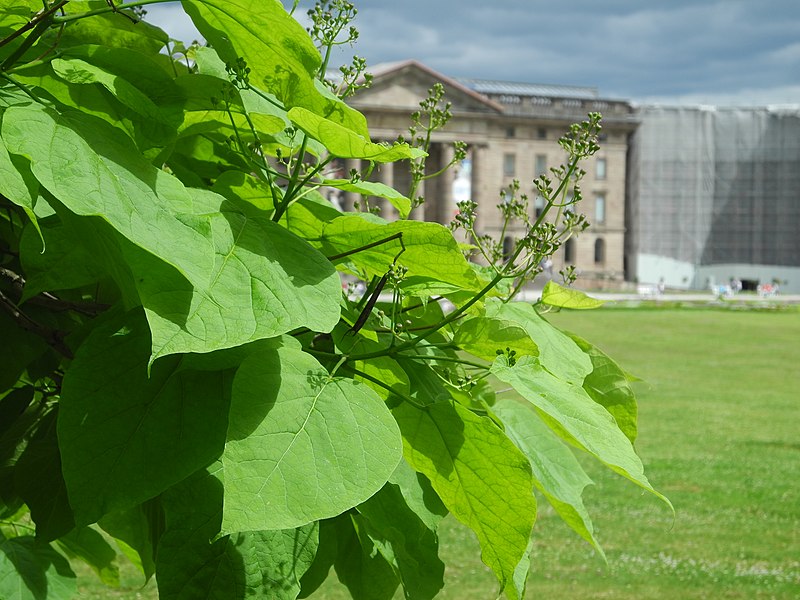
(394, 236)
(389, 389)
(106, 9)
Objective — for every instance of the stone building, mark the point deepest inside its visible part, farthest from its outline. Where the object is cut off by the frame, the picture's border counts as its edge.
(512, 130)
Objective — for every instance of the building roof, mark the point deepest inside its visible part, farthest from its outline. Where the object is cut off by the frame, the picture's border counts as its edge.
(489, 86)
(390, 68)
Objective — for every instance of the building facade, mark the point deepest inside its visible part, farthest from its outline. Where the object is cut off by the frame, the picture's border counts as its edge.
(714, 195)
(512, 132)
(687, 197)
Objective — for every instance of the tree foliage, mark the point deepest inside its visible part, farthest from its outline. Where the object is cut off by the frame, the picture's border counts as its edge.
(183, 374)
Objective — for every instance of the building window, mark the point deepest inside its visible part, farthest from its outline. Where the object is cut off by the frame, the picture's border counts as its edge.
(599, 251)
(511, 132)
(541, 133)
(509, 164)
(600, 173)
(541, 165)
(600, 208)
(569, 251)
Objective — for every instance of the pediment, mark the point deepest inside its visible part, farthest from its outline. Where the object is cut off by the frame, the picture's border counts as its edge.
(404, 85)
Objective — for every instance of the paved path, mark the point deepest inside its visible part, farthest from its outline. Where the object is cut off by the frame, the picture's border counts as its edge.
(532, 295)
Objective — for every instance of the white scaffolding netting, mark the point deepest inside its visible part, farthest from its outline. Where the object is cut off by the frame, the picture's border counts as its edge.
(712, 186)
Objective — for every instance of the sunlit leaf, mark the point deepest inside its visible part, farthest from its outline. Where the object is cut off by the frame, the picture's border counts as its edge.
(302, 445)
(481, 477)
(556, 471)
(610, 386)
(556, 295)
(574, 416)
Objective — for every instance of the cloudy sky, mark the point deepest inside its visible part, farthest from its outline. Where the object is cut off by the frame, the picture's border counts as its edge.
(726, 52)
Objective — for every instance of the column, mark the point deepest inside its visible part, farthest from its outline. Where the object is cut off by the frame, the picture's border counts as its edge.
(386, 177)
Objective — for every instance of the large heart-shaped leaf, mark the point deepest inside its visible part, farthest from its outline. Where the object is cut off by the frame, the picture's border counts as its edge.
(302, 445)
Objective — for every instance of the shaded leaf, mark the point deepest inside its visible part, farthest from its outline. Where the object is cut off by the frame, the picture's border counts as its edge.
(481, 477)
(609, 386)
(39, 481)
(556, 471)
(90, 547)
(359, 566)
(31, 570)
(66, 262)
(405, 541)
(137, 530)
(260, 564)
(126, 436)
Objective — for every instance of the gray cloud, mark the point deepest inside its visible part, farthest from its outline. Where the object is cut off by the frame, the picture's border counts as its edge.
(737, 50)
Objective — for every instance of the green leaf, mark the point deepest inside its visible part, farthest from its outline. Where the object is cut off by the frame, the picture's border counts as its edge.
(95, 171)
(17, 184)
(419, 495)
(430, 249)
(136, 530)
(574, 416)
(556, 471)
(483, 337)
(557, 352)
(31, 570)
(39, 481)
(344, 143)
(64, 263)
(282, 58)
(359, 566)
(241, 187)
(90, 547)
(266, 281)
(111, 30)
(481, 477)
(260, 564)
(556, 295)
(405, 541)
(126, 436)
(302, 445)
(18, 350)
(76, 70)
(308, 216)
(327, 550)
(373, 188)
(609, 386)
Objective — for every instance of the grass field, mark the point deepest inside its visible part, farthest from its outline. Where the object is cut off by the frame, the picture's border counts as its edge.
(719, 435)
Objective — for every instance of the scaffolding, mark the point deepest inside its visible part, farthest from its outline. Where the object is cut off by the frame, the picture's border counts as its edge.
(714, 186)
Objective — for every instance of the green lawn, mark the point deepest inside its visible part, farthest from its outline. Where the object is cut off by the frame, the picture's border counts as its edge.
(719, 434)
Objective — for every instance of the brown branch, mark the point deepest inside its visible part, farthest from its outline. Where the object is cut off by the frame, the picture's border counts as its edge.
(48, 300)
(37, 18)
(54, 338)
